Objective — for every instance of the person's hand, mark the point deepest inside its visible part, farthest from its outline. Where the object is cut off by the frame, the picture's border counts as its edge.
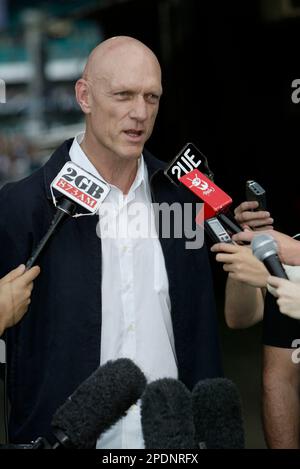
(241, 264)
(288, 296)
(288, 247)
(248, 218)
(15, 292)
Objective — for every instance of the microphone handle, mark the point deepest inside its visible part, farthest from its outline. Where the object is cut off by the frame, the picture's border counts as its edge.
(39, 443)
(66, 208)
(231, 225)
(16, 446)
(275, 267)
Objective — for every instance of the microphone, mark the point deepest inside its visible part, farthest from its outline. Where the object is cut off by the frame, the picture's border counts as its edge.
(217, 414)
(66, 207)
(185, 161)
(265, 248)
(216, 200)
(97, 404)
(166, 415)
(185, 169)
(78, 187)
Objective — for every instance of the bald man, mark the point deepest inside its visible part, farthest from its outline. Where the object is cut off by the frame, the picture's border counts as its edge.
(105, 294)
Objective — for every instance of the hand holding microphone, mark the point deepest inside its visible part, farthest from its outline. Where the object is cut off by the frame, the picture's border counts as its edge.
(265, 248)
(253, 213)
(15, 291)
(247, 216)
(288, 247)
(241, 264)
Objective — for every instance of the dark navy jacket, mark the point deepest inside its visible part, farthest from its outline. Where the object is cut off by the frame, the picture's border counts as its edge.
(56, 346)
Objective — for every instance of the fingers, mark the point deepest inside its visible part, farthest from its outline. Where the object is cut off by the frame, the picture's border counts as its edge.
(245, 215)
(30, 275)
(255, 216)
(13, 274)
(228, 268)
(274, 281)
(224, 247)
(225, 258)
(20, 273)
(260, 214)
(244, 236)
(264, 228)
(260, 221)
(244, 206)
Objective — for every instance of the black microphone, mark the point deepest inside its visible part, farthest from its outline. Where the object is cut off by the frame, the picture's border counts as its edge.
(218, 415)
(189, 158)
(166, 415)
(265, 248)
(97, 404)
(76, 187)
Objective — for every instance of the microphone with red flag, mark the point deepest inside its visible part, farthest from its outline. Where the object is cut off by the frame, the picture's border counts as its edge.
(185, 169)
(215, 199)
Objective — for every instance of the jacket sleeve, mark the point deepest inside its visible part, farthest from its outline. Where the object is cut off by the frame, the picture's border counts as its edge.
(14, 242)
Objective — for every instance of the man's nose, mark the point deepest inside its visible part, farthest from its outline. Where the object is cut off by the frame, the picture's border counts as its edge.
(139, 109)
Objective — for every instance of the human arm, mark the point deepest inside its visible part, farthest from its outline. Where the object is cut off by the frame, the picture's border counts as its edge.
(281, 398)
(246, 281)
(15, 291)
(244, 304)
(288, 296)
(244, 294)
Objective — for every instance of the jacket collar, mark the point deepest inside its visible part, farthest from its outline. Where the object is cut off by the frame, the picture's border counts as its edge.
(55, 163)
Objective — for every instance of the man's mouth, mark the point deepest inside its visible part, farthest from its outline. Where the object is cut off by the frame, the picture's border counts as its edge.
(134, 133)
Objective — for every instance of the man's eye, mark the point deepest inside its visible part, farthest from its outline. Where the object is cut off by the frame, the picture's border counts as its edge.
(152, 98)
(123, 95)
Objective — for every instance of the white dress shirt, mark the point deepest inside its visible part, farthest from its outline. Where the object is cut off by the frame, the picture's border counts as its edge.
(136, 319)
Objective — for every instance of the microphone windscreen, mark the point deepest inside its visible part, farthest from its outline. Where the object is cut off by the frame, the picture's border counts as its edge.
(166, 415)
(99, 402)
(218, 414)
(263, 246)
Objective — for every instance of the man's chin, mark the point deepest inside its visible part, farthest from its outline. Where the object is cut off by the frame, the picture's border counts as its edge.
(133, 152)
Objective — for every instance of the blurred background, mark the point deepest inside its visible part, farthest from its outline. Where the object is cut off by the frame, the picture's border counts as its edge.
(228, 69)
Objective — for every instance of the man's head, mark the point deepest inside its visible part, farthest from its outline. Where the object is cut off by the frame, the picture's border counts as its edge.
(119, 94)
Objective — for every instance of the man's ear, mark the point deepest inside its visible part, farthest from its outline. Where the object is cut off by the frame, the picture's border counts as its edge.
(83, 95)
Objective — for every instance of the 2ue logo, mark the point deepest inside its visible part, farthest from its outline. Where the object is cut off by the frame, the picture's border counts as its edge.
(193, 181)
(199, 183)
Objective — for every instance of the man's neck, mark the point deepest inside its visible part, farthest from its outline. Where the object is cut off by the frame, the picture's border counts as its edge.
(116, 171)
